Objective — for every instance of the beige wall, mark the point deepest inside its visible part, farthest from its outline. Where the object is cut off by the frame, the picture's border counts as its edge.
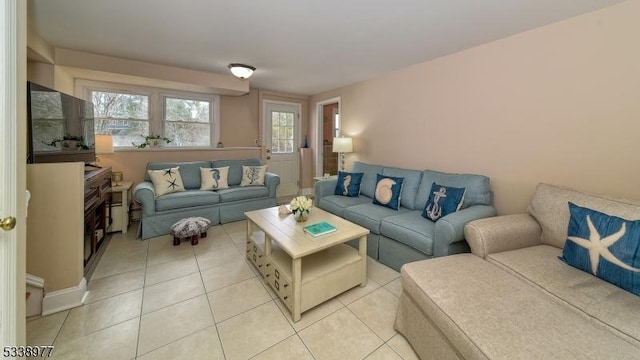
(239, 120)
(557, 104)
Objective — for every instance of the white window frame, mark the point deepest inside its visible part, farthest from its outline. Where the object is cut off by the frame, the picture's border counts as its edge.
(156, 107)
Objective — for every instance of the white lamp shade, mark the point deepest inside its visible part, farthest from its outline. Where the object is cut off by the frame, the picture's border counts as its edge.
(343, 145)
(241, 71)
(104, 144)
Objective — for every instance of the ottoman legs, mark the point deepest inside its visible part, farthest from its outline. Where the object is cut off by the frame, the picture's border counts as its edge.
(194, 240)
(176, 241)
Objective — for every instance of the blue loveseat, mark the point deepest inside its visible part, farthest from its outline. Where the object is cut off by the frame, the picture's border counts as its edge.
(400, 236)
(221, 206)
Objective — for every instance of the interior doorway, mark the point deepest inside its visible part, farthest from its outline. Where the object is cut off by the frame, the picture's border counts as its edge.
(328, 120)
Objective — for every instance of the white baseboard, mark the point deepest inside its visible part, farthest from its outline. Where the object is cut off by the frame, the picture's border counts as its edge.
(64, 299)
(307, 191)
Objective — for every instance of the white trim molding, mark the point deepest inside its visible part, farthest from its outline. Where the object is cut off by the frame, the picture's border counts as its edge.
(64, 299)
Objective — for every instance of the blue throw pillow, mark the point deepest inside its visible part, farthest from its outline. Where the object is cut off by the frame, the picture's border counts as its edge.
(604, 245)
(348, 184)
(443, 200)
(387, 193)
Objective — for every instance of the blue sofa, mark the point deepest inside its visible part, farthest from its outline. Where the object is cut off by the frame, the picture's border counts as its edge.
(401, 236)
(221, 206)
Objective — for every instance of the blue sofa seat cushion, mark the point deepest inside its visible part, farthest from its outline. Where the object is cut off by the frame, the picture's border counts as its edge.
(186, 199)
(236, 193)
(410, 229)
(336, 204)
(369, 215)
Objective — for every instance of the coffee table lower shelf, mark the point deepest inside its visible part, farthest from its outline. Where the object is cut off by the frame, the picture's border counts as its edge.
(323, 274)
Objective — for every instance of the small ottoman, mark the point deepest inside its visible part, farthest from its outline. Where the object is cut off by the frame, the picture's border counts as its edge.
(192, 227)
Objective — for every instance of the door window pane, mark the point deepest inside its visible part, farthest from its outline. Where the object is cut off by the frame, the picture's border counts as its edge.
(282, 132)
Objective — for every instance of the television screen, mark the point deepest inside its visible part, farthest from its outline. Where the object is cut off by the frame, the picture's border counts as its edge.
(60, 126)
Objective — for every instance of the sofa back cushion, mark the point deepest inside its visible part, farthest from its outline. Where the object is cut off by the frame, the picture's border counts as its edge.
(369, 179)
(189, 171)
(235, 168)
(409, 185)
(550, 207)
(477, 187)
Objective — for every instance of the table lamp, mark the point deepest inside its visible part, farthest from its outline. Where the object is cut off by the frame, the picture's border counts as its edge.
(104, 144)
(342, 145)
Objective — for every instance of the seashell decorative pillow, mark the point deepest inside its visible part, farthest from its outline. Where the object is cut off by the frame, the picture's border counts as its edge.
(388, 190)
(443, 200)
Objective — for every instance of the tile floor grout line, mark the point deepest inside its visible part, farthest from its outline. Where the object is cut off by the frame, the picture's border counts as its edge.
(144, 282)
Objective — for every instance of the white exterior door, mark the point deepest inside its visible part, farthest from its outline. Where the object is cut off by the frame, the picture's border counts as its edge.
(8, 208)
(281, 124)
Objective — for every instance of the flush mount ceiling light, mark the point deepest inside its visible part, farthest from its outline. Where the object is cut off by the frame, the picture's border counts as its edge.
(241, 71)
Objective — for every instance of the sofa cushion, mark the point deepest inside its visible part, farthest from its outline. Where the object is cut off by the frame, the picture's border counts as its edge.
(487, 313)
(606, 246)
(348, 183)
(409, 185)
(549, 207)
(189, 171)
(369, 179)
(235, 168)
(186, 199)
(618, 310)
(214, 178)
(410, 229)
(369, 215)
(336, 204)
(236, 193)
(166, 181)
(388, 191)
(253, 175)
(443, 201)
(477, 187)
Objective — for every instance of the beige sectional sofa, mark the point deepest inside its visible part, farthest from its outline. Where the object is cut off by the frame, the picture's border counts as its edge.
(513, 298)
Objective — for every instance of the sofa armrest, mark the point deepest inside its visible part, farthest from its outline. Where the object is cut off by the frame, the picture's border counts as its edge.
(324, 188)
(272, 181)
(450, 228)
(145, 194)
(502, 233)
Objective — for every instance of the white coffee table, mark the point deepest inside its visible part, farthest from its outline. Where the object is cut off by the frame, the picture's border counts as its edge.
(304, 270)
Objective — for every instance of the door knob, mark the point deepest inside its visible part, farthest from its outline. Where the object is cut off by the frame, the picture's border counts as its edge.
(268, 151)
(8, 223)
(268, 157)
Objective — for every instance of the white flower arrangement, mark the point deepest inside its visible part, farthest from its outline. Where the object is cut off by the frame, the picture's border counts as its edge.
(301, 207)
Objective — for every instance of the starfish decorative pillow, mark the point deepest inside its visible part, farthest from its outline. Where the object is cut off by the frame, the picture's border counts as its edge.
(604, 245)
(166, 181)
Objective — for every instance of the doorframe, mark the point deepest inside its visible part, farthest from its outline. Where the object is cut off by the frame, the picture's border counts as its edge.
(320, 129)
(12, 313)
(297, 125)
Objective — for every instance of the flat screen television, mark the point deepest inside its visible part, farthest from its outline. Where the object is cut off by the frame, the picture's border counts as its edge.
(60, 126)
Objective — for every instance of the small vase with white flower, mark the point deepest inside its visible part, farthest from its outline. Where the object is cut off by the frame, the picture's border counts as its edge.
(300, 206)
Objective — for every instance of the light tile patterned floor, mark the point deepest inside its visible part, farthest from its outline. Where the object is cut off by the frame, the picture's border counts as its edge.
(151, 300)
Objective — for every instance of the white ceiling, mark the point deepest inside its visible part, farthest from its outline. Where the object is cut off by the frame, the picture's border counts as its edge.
(297, 46)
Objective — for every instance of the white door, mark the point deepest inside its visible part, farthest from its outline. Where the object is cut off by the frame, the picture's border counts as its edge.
(8, 135)
(281, 124)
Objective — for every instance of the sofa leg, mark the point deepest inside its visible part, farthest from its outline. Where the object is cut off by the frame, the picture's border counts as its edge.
(203, 235)
(176, 241)
(194, 240)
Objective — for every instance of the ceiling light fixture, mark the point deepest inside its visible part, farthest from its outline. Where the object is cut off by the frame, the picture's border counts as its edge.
(241, 71)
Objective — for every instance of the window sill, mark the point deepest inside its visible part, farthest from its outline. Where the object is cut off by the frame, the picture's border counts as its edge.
(161, 149)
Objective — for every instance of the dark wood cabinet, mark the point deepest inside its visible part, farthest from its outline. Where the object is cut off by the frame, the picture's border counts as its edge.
(97, 213)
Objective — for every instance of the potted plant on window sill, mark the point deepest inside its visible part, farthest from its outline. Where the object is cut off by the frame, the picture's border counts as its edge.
(70, 142)
(151, 141)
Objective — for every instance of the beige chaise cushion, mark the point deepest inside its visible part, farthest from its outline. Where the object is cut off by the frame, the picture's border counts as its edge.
(486, 312)
(616, 309)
